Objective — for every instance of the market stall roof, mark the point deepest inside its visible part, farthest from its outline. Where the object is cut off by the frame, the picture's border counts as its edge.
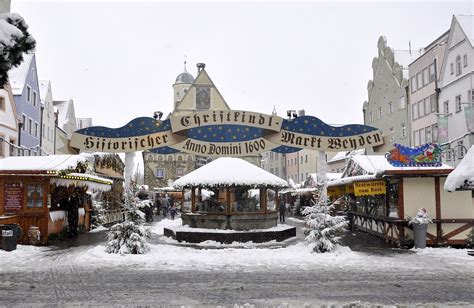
(40, 164)
(229, 171)
(77, 179)
(463, 176)
(378, 164)
(330, 176)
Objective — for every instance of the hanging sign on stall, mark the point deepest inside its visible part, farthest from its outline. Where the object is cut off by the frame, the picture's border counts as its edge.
(13, 197)
(369, 188)
(232, 133)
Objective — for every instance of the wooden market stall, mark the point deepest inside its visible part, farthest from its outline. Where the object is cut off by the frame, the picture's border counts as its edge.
(240, 196)
(36, 191)
(379, 197)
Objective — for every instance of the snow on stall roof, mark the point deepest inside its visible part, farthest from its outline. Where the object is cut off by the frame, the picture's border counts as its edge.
(226, 171)
(42, 163)
(463, 175)
(378, 163)
(352, 179)
(330, 176)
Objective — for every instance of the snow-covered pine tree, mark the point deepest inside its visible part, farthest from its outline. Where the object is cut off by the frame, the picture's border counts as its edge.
(323, 231)
(129, 237)
(14, 41)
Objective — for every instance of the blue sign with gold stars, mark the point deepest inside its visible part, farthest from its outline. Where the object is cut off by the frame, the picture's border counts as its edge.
(226, 133)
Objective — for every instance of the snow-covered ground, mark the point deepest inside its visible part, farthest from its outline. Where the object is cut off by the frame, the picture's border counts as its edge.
(174, 256)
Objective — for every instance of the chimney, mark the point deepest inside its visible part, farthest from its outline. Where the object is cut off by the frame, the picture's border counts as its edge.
(200, 67)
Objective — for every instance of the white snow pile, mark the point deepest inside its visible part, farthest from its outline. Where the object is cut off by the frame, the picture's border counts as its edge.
(170, 255)
(463, 175)
(226, 171)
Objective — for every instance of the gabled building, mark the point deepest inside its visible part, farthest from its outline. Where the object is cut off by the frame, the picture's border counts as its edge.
(26, 93)
(387, 105)
(66, 125)
(190, 95)
(424, 74)
(456, 98)
(48, 126)
(8, 123)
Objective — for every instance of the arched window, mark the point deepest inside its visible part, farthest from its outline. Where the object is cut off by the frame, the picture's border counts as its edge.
(458, 66)
(190, 158)
(180, 158)
(160, 157)
(150, 157)
(170, 157)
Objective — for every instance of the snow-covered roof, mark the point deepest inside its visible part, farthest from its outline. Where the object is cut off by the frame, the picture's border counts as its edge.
(467, 24)
(17, 75)
(352, 179)
(93, 182)
(463, 176)
(374, 164)
(330, 176)
(343, 155)
(43, 88)
(227, 171)
(62, 108)
(41, 163)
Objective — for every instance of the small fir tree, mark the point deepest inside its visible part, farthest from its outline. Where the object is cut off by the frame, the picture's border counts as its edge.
(129, 237)
(470, 238)
(323, 231)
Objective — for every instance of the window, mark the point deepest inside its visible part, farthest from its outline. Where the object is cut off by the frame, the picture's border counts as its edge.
(179, 172)
(271, 170)
(451, 68)
(28, 94)
(392, 133)
(402, 102)
(434, 132)
(371, 117)
(433, 103)
(34, 98)
(301, 160)
(414, 111)
(464, 58)
(431, 69)
(390, 108)
(422, 136)
(36, 129)
(23, 121)
(404, 130)
(277, 171)
(419, 81)
(458, 103)
(416, 138)
(446, 107)
(426, 78)
(460, 149)
(421, 109)
(30, 126)
(306, 158)
(380, 112)
(428, 134)
(458, 66)
(34, 196)
(413, 84)
(12, 148)
(2, 103)
(427, 106)
(160, 173)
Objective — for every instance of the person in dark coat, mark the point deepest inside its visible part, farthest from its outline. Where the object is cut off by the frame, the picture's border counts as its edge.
(282, 210)
(165, 205)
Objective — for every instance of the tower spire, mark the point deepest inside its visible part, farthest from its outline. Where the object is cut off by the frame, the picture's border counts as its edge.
(185, 63)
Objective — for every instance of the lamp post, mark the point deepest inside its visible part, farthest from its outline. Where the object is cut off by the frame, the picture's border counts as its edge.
(20, 128)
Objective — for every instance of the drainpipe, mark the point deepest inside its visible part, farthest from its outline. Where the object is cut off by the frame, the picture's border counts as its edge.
(41, 131)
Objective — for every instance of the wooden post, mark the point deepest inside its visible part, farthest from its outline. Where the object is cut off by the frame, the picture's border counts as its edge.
(182, 201)
(263, 199)
(401, 207)
(227, 197)
(439, 230)
(193, 199)
(277, 200)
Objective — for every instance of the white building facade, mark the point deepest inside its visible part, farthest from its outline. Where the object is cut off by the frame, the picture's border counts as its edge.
(48, 119)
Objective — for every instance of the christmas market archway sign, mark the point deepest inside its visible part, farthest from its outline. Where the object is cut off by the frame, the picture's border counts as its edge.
(233, 133)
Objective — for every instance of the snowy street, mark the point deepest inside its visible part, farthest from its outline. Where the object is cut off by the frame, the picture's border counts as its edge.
(175, 274)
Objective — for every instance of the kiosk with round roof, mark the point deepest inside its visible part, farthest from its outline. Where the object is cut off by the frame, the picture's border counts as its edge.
(230, 200)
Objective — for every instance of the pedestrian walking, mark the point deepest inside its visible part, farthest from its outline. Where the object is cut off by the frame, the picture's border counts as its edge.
(173, 211)
(165, 205)
(282, 210)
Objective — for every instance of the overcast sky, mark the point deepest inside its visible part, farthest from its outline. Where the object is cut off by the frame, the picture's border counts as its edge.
(119, 59)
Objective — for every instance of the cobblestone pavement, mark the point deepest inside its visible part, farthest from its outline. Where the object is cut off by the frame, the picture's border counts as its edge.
(69, 285)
